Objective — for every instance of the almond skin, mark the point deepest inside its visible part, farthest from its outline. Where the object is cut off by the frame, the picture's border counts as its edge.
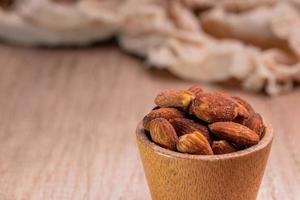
(234, 132)
(215, 107)
(196, 90)
(245, 104)
(185, 126)
(255, 123)
(222, 147)
(167, 113)
(163, 133)
(194, 143)
(174, 98)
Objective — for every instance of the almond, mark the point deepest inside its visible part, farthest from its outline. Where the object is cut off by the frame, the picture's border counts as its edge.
(167, 113)
(245, 104)
(196, 90)
(222, 147)
(234, 132)
(174, 98)
(185, 126)
(255, 123)
(163, 133)
(194, 143)
(214, 107)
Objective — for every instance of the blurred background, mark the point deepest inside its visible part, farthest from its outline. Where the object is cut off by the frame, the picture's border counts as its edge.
(77, 76)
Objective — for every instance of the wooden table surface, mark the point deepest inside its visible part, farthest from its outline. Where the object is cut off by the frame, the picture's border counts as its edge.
(68, 119)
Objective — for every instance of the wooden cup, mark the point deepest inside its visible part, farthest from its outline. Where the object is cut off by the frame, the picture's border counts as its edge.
(177, 176)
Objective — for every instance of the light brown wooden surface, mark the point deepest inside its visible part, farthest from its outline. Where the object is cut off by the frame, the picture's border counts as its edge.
(68, 119)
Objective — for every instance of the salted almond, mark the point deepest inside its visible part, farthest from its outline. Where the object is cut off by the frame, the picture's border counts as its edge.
(214, 107)
(196, 90)
(167, 113)
(174, 98)
(255, 123)
(222, 147)
(194, 143)
(245, 104)
(163, 133)
(185, 126)
(234, 132)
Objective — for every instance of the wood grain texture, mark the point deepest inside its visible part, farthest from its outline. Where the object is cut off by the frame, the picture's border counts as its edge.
(68, 119)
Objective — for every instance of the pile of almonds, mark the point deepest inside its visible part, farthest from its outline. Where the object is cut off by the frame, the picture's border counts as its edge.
(196, 122)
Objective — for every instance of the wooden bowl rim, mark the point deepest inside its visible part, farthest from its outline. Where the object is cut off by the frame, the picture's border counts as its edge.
(264, 142)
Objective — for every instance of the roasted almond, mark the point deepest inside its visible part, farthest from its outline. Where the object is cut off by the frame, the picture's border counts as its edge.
(194, 143)
(245, 104)
(214, 107)
(222, 147)
(185, 126)
(255, 123)
(167, 113)
(196, 90)
(163, 133)
(174, 98)
(234, 132)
